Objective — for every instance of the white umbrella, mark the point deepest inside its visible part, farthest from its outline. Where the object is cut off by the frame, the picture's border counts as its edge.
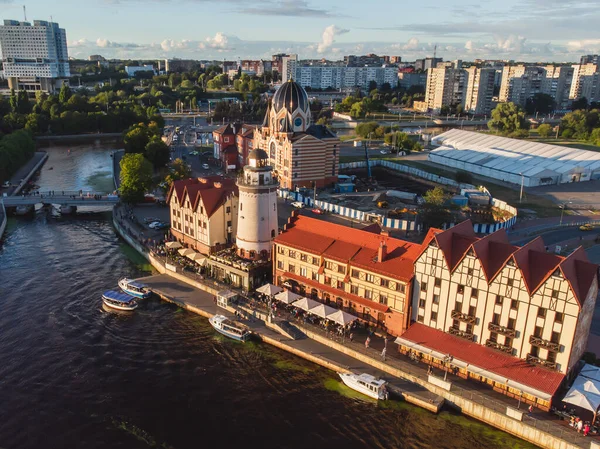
(305, 304)
(287, 297)
(191, 255)
(173, 245)
(198, 258)
(269, 289)
(321, 310)
(185, 251)
(342, 318)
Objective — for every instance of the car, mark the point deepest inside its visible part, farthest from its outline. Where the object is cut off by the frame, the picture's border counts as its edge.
(586, 227)
(162, 226)
(148, 220)
(205, 166)
(317, 211)
(6, 184)
(154, 224)
(194, 153)
(298, 204)
(384, 152)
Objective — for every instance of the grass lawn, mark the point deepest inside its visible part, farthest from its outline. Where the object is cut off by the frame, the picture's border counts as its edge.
(571, 143)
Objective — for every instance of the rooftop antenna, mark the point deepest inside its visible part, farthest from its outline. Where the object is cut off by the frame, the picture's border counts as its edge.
(25, 12)
(434, 51)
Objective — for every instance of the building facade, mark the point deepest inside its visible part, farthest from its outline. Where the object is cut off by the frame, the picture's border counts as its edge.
(586, 82)
(300, 153)
(35, 57)
(288, 67)
(364, 272)
(204, 212)
(521, 82)
(445, 87)
(232, 143)
(341, 77)
(479, 90)
(557, 83)
(501, 311)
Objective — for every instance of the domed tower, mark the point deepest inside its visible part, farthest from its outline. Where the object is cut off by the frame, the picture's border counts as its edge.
(257, 209)
(290, 109)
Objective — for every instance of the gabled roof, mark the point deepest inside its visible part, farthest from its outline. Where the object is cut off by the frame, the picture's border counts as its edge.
(225, 129)
(374, 228)
(212, 191)
(455, 242)
(493, 251)
(580, 273)
(535, 263)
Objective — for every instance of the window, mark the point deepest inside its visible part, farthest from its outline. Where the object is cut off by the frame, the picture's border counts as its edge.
(383, 299)
(354, 273)
(494, 337)
(370, 278)
(558, 317)
(228, 209)
(535, 351)
(470, 271)
(472, 310)
(292, 254)
(423, 286)
(201, 209)
(272, 233)
(354, 289)
(511, 323)
(327, 280)
(368, 294)
(555, 294)
(438, 282)
(458, 306)
(555, 338)
(341, 269)
(508, 342)
(329, 265)
(436, 299)
(280, 264)
(241, 207)
(303, 257)
(420, 318)
(280, 250)
(496, 318)
(469, 329)
(499, 299)
(433, 316)
(340, 285)
(229, 223)
(303, 271)
(551, 357)
(434, 262)
(460, 289)
(455, 324)
(422, 303)
(541, 312)
(537, 331)
(514, 304)
(400, 287)
(474, 293)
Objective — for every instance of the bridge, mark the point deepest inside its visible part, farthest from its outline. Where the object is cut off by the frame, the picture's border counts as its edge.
(63, 198)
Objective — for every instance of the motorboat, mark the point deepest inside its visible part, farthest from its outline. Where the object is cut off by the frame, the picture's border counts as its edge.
(134, 288)
(229, 328)
(366, 384)
(119, 301)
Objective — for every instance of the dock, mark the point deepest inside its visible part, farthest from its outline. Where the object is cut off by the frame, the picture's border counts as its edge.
(319, 352)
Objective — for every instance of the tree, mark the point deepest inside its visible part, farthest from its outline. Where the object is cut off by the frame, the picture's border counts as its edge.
(507, 118)
(540, 103)
(157, 152)
(179, 170)
(463, 177)
(433, 212)
(64, 94)
(435, 197)
(136, 138)
(136, 177)
(581, 103)
(364, 129)
(544, 130)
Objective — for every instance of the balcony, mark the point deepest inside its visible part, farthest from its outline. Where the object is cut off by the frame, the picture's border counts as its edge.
(537, 361)
(545, 344)
(461, 334)
(455, 314)
(502, 330)
(496, 345)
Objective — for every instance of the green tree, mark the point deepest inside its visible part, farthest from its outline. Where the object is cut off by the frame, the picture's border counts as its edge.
(64, 94)
(157, 152)
(544, 130)
(179, 170)
(595, 137)
(433, 212)
(24, 105)
(581, 103)
(186, 84)
(136, 177)
(364, 129)
(435, 197)
(540, 103)
(136, 138)
(507, 118)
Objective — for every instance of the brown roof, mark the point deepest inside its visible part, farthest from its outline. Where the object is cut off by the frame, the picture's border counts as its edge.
(212, 191)
(225, 129)
(493, 251)
(580, 273)
(455, 242)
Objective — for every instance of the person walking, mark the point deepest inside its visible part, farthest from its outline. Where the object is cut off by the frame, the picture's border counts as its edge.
(385, 341)
(351, 337)
(530, 409)
(579, 426)
(383, 354)
(586, 429)
(367, 342)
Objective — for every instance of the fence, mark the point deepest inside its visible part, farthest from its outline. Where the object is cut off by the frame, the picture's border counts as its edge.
(2, 219)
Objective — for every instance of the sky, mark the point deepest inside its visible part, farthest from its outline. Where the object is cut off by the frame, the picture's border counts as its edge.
(523, 30)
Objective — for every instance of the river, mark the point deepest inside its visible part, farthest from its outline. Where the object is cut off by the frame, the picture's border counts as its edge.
(74, 375)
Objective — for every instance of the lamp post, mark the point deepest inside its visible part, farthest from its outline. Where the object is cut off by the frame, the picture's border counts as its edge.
(522, 182)
(562, 211)
(447, 359)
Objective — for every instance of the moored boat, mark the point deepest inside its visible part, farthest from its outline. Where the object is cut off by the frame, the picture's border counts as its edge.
(229, 328)
(119, 301)
(134, 288)
(366, 384)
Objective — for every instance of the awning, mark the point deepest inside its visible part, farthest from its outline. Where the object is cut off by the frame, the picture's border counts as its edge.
(185, 251)
(198, 258)
(227, 294)
(590, 372)
(305, 304)
(322, 310)
(269, 289)
(287, 297)
(173, 245)
(581, 396)
(341, 317)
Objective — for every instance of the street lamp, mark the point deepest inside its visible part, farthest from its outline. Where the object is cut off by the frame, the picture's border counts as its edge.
(562, 210)
(446, 359)
(522, 182)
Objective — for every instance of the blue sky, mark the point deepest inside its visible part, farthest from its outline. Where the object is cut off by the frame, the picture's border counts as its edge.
(529, 30)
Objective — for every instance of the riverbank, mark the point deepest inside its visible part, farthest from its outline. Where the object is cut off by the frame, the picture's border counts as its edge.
(470, 398)
(24, 174)
(71, 137)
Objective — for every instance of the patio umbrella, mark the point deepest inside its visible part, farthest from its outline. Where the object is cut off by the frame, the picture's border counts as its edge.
(342, 318)
(191, 255)
(305, 304)
(185, 251)
(173, 245)
(269, 289)
(321, 310)
(287, 297)
(198, 258)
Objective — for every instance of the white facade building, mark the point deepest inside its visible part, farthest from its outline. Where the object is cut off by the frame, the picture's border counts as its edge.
(339, 77)
(132, 70)
(35, 57)
(257, 213)
(479, 90)
(288, 67)
(586, 82)
(445, 87)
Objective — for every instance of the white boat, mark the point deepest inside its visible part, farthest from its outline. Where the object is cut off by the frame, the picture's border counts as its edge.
(229, 328)
(119, 301)
(366, 384)
(134, 288)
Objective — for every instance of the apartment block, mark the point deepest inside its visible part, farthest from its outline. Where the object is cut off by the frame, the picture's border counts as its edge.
(586, 82)
(520, 83)
(339, 77)
(479, 90)
(557, 83)
(445, 87)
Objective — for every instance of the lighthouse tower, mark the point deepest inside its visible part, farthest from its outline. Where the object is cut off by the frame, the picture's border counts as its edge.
(257, 209)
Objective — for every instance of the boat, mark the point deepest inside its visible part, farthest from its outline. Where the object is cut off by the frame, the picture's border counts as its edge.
(119, 301)
(229, 328)
(366, 384)
(134, 288)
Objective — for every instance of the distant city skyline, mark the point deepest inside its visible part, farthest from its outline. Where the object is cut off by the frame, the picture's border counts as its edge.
(523, 30)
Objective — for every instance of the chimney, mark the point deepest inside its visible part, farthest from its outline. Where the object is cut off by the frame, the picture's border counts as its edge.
(382, 252)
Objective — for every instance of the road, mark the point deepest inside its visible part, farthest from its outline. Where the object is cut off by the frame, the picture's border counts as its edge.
(560, 235)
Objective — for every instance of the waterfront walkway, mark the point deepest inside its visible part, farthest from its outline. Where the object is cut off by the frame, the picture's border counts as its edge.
(27, 170)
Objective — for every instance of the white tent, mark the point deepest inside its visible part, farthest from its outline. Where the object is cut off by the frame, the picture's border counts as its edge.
(173, 245)
(191, 255)
(185, 251)
(590, 372)
(269, 289)
(198, 258)
(287, 297)
(578, 395)
(341, 317)
(322, 310)
(305, 304)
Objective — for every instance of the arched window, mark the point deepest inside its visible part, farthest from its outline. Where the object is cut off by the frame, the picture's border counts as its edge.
(273, 150)
(252, 254)
(272, 233)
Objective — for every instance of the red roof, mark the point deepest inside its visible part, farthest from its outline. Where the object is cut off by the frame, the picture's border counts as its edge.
(355, 246)
(580, 273)
(493, 251)
(337, 292)
(212, 191)
(497, 362)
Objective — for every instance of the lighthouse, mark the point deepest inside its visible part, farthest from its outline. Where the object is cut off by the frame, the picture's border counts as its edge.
(257, 208)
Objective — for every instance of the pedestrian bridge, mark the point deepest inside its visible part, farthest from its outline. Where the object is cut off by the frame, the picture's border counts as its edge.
(63, 198)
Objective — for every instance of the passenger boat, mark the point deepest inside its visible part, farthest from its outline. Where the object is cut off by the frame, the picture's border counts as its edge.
(366, 384)
(134, 288)
(229, 328)
(119, 301)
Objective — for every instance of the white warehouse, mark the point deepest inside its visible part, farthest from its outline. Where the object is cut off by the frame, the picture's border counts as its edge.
(511, 160)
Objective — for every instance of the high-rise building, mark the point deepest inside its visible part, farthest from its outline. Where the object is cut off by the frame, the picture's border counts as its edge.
(340, 77)
(557, 83)
(590, 59)
(445, 87)
(427, 63)
(34, 57)
(288, 67)
(521, 82)
(586, 82)
(479, 90)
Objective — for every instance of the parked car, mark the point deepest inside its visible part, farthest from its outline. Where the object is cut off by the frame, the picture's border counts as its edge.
(149, 220)
(317, 211)
(384, 152)
(158, 225)
(586, 227)
(298, 204)
(205, 166)
(6, 184)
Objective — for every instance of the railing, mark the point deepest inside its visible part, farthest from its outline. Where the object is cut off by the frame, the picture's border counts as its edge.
(463, 317)
(537, 361)
(545, 344)
(494, 344)
(461, 334)
(502, 330)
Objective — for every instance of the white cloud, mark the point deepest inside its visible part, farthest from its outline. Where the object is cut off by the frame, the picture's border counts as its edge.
(328, 37)
(219, 42)
(584, 45)
(170, 44)
(412, 44)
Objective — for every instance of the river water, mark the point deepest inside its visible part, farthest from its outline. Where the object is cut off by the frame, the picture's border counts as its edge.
(74, 375)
